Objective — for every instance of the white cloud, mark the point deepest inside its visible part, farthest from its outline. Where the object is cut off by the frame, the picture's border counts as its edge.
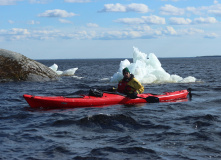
(201, 20)
(15, 34)
(143, 20)
(153, 19)
(19, 31)
(8, 2)
(195, 11)
(211, 35)
(10, 21)
(65, 21)
(114, 8)
(171, 10)
(133, 7)
(40, 1)
(77, 1)
(147, 31)
(57, 13)
(204, 10)
(134, 32)
(215, 2)
(190, 31)
(114, 35)
(92, 25)
(132, 21)
(142, 28)
(79, 35)
(33, 22)
(179, 21)
(183, 21)
(216, 10)
(25, 34)
(3, 31)
(45, 34)
(170, 30)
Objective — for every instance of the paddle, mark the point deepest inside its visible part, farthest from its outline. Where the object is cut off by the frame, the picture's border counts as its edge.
(149, 99)
(99, 93)
(190, 93)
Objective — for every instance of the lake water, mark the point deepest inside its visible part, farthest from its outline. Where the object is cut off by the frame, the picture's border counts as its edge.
(164, 131)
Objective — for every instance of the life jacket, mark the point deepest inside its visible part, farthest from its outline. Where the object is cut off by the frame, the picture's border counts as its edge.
(123, 86)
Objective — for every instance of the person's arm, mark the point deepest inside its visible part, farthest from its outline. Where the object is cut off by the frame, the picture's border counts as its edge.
(138, 86)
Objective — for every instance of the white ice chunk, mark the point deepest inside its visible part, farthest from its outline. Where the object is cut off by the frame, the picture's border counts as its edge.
(59, 72)
(54, 67)
(68, 72)
(148, 69)
(189, 79)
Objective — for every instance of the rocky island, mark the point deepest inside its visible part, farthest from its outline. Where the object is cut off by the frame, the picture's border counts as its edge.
(17, 67)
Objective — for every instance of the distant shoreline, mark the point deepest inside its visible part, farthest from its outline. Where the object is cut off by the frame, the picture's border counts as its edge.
(126, 58)
(207, 56)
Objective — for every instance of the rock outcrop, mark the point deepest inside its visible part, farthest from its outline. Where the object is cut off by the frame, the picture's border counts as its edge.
(17, 67)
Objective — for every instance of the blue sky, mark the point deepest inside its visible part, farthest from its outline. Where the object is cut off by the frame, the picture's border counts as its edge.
(54, 29)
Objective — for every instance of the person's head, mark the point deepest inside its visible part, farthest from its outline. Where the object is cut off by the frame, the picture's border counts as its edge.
(126, 72)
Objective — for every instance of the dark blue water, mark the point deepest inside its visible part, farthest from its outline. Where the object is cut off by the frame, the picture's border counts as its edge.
(164, 131)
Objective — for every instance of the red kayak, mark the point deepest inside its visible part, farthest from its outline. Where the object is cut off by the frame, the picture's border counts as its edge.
(59, 102)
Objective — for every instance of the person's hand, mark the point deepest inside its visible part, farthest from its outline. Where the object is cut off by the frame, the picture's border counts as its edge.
(132, 95)
(111, 89)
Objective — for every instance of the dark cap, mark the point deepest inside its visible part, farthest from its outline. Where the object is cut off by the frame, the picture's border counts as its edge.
(126, 70)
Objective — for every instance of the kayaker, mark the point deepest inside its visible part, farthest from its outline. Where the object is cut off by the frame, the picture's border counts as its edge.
(129, 85)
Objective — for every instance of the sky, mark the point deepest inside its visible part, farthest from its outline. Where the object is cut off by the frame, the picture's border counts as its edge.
(73, 29)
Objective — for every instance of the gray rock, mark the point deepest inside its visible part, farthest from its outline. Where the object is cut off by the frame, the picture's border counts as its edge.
(17, 67)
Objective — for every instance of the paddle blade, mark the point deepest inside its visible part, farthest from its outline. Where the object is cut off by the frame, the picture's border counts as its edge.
(152, 99)
(190, 93)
